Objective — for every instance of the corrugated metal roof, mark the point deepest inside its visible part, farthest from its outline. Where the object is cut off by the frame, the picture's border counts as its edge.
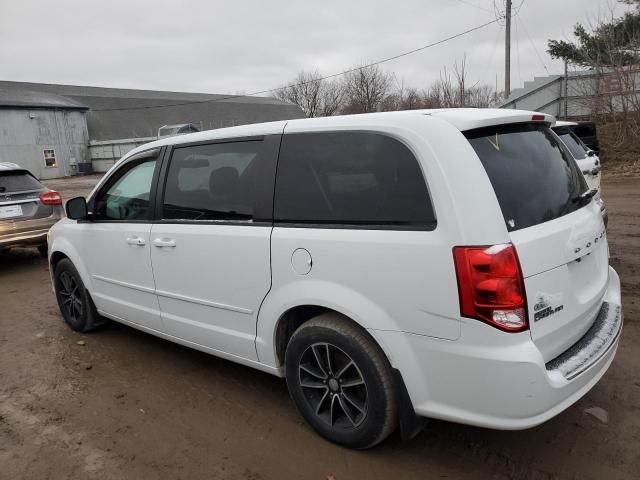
(25, 98)
(124, 113)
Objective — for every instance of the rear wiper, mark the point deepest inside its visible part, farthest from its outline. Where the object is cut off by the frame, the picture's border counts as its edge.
(585, 196)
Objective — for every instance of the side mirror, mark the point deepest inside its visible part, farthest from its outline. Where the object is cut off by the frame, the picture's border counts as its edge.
(76, 208)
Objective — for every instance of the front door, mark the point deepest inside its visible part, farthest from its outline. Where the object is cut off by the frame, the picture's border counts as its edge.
(117, 244)
(210, 248)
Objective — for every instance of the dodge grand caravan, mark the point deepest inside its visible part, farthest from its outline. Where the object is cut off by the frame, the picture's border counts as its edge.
(392, 267)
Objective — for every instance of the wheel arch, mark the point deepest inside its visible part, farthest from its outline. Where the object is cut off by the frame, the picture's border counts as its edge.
(61, 249)
(277, 320)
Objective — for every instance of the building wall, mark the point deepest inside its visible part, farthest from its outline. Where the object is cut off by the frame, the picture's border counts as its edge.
(25, 134)
(105, 153)
(587, 94)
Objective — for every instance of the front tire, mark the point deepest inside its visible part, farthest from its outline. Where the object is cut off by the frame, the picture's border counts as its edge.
(75, 304)
(341, 382)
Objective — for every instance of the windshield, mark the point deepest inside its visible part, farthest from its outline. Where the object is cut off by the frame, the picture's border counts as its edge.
(532, 174)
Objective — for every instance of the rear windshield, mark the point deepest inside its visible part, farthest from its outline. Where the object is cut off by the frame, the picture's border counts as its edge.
(573, 143)
(17, 181)
(586, 129)
(533, 176)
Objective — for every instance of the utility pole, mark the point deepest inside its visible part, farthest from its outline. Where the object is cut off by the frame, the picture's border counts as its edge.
(507, 51)
(565, 92)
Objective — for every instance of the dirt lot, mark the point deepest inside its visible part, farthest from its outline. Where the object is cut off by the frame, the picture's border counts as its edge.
(128, 405)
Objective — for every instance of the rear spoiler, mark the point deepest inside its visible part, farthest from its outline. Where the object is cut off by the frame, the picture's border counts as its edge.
(496, 117)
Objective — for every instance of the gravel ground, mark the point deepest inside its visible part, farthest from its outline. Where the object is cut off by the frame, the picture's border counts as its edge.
(122, 404)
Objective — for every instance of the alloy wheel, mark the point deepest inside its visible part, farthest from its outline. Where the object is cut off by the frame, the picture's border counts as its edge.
(71, 299)
(333, 386)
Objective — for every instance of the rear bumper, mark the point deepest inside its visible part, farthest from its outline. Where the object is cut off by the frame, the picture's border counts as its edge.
(494, 379)
(27, 232)
(33, 237)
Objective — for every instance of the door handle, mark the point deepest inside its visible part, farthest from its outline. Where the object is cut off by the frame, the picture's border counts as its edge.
(164, 242)
(135, 240)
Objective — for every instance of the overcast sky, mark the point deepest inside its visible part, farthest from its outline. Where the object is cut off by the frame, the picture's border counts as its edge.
(245, 46)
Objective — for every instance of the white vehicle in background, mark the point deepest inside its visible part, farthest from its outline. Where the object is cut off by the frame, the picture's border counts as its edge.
(587, 160)
(180, 129)
(391, 266)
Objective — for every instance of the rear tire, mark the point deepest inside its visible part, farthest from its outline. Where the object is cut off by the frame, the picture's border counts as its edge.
(341, 381)
(74, 301)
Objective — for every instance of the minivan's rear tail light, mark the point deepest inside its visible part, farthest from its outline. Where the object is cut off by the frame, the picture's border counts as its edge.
(491, 286)
(51, 198)
(538, 118)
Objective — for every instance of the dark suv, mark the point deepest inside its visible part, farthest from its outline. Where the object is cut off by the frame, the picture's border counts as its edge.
(28, 209)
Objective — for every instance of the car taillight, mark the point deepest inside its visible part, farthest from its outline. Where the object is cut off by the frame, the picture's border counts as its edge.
(51, 198)
(491, 286)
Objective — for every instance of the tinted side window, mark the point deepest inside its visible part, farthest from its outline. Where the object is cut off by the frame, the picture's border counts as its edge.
(214, 182)
(126, 197)
(352, 178)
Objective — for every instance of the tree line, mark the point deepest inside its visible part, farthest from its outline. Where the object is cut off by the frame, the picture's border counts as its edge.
(365, 89)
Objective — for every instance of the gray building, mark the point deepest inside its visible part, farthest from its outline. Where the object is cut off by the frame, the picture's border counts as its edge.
(120, 119)
(43, 132)
(580, 95)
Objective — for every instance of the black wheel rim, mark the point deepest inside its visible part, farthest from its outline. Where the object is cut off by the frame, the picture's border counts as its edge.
(333, 386)
(70, 298)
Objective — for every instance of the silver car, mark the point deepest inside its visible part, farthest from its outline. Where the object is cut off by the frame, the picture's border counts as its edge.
(28, 209)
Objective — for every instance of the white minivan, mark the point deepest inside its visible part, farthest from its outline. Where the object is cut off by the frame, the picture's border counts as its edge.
(392, 267)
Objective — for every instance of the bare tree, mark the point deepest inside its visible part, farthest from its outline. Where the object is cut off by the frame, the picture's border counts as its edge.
(402, 98)
(452, 90)
(460, 73)
(481, 96)
(365, 89)
(317, 97)
(331, 98)
(369, 89)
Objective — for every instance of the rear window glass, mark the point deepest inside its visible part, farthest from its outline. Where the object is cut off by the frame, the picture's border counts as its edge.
(18, 182)
(533, 176)
(350, 178)
(585, 130)
(573, 143)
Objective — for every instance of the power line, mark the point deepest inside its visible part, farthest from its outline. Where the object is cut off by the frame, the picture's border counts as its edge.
(475, 6)
(535, 49)
(262, 92)
(516, 10)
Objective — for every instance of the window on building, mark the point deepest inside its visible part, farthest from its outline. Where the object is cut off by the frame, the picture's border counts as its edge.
(50, 158)
(350, 178)
(214, 182)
